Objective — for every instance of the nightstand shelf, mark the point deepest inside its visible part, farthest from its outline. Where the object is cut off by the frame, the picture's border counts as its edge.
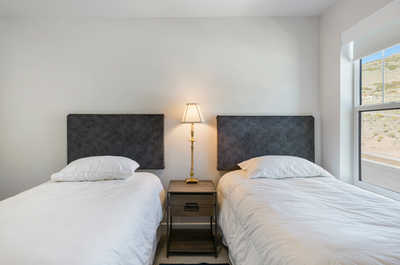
(191, 200)
(191, 241)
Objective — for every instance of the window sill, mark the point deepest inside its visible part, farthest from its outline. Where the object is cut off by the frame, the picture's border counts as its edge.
(377, 190)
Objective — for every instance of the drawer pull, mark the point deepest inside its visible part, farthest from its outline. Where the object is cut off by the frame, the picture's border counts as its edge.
(191, 207)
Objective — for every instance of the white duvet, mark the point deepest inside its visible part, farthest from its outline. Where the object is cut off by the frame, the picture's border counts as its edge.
(82, 223)
(306, 221)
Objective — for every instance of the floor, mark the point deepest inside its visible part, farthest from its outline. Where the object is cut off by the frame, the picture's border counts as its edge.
(162, 258)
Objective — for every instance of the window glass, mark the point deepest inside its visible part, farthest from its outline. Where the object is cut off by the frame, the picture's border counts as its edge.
(392, 74)
(380, 77)
(380, 148)
(372, 79)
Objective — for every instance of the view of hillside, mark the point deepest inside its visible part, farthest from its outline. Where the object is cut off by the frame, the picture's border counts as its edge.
(381, 84)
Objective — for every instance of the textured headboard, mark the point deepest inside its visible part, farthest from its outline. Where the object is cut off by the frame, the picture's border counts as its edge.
(243, 137)
(137, 136)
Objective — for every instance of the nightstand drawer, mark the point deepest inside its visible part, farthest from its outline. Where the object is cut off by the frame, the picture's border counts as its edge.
(192, 209)
(200, 199)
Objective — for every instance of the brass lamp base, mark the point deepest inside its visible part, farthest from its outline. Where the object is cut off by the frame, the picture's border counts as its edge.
(191, 180)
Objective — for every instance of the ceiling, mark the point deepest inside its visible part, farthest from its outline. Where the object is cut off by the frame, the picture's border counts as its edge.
(161, 8)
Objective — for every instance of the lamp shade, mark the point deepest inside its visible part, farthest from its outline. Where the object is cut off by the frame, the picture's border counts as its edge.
(192, 114)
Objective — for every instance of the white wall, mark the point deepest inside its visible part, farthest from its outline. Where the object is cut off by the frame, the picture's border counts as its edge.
(50, 68)
(338, 18)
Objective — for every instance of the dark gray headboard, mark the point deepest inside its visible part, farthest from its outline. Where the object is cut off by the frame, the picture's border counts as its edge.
(137, 136)
(243, 137)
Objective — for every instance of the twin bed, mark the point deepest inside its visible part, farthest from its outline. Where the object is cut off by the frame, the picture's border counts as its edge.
(275, 221)
(299, 220)
(108, 222)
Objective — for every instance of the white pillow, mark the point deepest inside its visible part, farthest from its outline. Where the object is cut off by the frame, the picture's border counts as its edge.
(97, 168)
(278, 167)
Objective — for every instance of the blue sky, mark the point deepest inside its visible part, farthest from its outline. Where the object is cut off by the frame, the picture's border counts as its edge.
(382, 54)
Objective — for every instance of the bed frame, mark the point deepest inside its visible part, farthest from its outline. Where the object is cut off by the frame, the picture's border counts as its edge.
(243, 137)
(136, 136)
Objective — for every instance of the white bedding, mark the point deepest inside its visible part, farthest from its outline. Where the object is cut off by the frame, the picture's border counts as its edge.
(306, 221)
(82, 223)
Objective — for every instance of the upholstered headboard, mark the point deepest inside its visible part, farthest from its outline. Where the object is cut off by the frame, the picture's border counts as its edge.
(137, 136)
(243, 137)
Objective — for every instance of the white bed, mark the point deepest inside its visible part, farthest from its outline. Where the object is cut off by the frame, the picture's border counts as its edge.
(83, 223)
(306, 221)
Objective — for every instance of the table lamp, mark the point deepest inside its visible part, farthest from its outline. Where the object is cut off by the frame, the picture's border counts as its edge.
(192, 115)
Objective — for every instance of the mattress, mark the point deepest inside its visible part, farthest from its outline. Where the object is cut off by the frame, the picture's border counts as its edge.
(75, 223)
(309, 221)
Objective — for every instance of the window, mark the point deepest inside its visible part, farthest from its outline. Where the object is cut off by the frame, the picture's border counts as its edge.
(377, 113)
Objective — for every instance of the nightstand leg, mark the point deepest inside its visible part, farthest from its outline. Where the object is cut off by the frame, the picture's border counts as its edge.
(168, 230)
(170, 224)
(216, 231)
(211, 225)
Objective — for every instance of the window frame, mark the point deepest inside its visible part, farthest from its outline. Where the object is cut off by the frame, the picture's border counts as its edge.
(357, 110)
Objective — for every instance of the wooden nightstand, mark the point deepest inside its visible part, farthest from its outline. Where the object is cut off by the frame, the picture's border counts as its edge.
(192, 200)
